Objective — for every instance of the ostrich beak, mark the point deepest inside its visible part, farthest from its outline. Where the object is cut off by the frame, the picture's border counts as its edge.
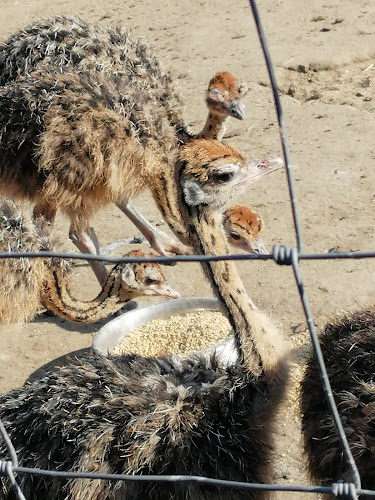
(237, 109)
(257, 169)
(163, 289)
(257, 246)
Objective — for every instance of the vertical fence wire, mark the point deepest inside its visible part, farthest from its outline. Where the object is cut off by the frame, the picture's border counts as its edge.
(294, 256)
(281, 121)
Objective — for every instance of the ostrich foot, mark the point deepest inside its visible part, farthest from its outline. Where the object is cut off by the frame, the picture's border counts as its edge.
(164, 244)
(159, 241)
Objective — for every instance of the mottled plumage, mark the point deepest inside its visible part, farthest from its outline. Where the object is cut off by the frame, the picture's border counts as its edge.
(111, 121)
(348, 346)
(28, 284)
(21, 279)
(166, 416)
(65, 139)
(64, 43)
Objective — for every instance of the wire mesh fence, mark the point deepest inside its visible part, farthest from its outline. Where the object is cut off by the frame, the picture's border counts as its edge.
(281, 255)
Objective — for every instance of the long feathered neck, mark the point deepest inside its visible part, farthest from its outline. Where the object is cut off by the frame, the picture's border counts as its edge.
(259, 343)
(215, 127)
(56, 296)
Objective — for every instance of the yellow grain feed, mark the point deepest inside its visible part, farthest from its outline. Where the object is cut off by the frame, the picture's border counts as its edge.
(179, 334)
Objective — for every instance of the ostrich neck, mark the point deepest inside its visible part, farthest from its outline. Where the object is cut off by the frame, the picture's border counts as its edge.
(164, 192)
(56, 297)
(163, 182)
(214, 128)
(259, 343)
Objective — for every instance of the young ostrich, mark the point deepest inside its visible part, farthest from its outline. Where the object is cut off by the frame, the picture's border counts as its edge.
(171, 415)
(244, 228)
(128, 125)
(28, 283)
(64, 44)
(348, 346)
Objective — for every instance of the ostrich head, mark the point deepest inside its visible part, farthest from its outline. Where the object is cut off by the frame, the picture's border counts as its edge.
(224, 96)
(140, 278)
(244, 228)
(211, 172)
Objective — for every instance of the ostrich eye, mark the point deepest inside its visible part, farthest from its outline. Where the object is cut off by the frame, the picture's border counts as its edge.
(223, 177)
(235, 235)
(150, 281)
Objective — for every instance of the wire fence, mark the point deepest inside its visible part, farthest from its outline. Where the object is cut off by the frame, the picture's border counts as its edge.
(282, 256)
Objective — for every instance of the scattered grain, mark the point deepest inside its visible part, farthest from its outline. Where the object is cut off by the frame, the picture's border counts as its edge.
(179, 334)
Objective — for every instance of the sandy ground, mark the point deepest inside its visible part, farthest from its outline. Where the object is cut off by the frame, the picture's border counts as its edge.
(324, 61)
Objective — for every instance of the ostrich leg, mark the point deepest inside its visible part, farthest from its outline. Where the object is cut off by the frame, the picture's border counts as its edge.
(159, 241)
(87, 242)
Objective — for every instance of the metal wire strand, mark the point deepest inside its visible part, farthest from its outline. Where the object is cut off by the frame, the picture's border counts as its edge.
(280, 119)
(9, 445)
(293, 257)
(182, 479)
(345, 490)
(341, 490)
(167, 260)
(323, 373)
(6, 469)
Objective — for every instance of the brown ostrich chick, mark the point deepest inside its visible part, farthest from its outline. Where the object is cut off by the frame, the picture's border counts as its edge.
(27, 283)
(197, 414)
(244, 228)
(242, 225)
(64, 45)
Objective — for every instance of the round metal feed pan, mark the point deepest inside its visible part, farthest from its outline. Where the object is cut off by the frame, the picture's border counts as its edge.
(111, 334)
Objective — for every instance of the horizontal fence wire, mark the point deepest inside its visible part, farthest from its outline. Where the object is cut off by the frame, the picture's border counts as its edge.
(277, 254)
(281, 255)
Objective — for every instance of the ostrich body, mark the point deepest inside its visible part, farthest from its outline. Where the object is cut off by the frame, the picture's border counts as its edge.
(28, 283)
(73, 142)
(348, 346)
(244, 228)
(66, 45)
(170, 415)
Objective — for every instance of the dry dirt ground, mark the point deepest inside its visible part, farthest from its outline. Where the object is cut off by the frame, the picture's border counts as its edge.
(323, 53)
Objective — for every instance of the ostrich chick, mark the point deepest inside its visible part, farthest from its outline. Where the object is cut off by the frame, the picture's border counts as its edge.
(242, 225)
(100, 121)
(348, 347)
(244, 228)
(28, 283)
(63, 44)
(170, 415)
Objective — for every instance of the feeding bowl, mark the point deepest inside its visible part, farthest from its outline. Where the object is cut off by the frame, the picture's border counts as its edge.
(116, 330)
